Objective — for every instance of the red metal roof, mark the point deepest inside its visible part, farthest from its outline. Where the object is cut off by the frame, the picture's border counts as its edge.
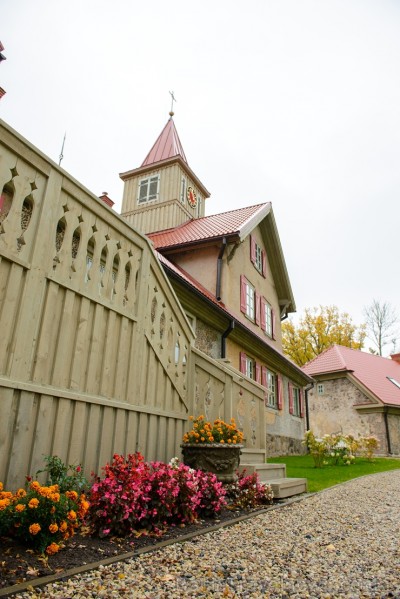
(370, 370)
(166, 146)
(206, 228)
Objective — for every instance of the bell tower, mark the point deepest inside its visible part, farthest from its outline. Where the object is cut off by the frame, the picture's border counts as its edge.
(163, 192)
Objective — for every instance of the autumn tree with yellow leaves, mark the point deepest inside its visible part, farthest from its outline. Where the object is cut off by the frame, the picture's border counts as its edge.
(318, 329)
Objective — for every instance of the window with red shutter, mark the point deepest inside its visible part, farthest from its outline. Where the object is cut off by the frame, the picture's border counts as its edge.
(257, 308)
(273, 319)
(290, 398)
(252, 249)
(262, 313)
(280, 392)
(242, 359)
(258, 373)
(243, 284)
(264, 263)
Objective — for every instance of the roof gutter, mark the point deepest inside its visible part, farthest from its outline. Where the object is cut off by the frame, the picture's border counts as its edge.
(385, 416)
(219, 269)
(306, 390)
(225, 334)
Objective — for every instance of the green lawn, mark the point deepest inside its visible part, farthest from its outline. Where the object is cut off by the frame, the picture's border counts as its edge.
(321, 478)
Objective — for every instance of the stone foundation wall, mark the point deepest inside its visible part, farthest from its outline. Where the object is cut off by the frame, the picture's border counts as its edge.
(208, 340)
(278, 446)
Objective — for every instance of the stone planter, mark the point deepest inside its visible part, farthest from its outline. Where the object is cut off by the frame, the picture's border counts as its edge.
(220, 459)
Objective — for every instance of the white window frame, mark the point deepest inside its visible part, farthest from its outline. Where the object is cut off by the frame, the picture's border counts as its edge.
(320, 389)
(296, 401)
(148, 181)
(250, 368)
(250, 301)
(258, 258)
(271, 399)
(268, 319)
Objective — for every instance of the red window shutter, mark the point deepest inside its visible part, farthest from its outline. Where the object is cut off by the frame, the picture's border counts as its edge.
(243, 293)
(301, 400)
(258, 373)
(242, 362)
(273, 317)
(262, 310)
(280, 392)
(263, 376)
(252, 249)
(264, 263)
(257, 307)
(290, 398)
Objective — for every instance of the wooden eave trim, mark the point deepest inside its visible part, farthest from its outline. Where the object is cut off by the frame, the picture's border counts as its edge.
(357, 383)
(327, 376)
(196, 245)
(276, 260)
(161, 164)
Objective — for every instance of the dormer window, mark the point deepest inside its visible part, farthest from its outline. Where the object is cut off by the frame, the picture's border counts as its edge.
(258, 256)
(148, 189)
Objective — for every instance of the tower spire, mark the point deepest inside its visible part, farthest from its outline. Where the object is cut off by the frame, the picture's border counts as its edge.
(171, 113)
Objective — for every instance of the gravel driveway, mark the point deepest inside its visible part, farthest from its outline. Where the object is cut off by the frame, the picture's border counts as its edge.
(343, 542)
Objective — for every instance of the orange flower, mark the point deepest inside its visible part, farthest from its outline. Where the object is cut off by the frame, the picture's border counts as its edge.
(33, 503)
(63, 526)
(71, 515)
(53, 528)
(55, 497)
(52, 549)
(35, 485)
(19, 507)
(72, 495)
(20, 493)
(4, 503)
(1, 486)
(34, 529)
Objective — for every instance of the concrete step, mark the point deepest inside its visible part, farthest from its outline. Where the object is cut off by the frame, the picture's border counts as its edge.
(287, 487)
(266, 472)
(254, 456)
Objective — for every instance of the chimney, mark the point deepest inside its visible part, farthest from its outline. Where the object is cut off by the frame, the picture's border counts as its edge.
(396, 358)
(104, 197)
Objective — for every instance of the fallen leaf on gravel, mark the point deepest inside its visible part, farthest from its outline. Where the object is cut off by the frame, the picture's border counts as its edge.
(32, 571)
(331, 547)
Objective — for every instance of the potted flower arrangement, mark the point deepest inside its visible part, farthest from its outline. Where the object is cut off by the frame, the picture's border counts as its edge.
(213, 447)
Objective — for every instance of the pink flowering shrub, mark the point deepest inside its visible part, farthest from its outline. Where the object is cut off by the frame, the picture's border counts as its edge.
(136, 494)
(248, 492)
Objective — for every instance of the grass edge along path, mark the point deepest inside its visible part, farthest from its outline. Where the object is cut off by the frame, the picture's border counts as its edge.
(330, 475)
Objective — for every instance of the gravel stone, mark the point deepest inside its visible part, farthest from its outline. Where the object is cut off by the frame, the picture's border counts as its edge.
(341, 543)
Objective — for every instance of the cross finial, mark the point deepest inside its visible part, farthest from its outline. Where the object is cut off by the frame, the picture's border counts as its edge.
(172, 104)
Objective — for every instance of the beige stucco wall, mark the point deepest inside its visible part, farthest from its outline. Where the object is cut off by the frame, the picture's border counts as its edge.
(334, 412)
(201, 264)
(240, 264)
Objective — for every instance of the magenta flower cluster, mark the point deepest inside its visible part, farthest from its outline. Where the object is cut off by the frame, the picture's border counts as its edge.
(135, 494)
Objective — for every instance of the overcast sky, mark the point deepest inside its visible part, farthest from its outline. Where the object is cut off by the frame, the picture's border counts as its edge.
(296, 102)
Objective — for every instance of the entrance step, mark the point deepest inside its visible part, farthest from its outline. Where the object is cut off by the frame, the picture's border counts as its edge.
(266, 472)
(287, 487)
(254, 456)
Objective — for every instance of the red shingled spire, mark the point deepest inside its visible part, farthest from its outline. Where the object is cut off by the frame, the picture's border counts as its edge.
(167, 145)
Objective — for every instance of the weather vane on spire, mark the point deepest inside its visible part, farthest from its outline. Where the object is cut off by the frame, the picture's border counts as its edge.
(172, 104)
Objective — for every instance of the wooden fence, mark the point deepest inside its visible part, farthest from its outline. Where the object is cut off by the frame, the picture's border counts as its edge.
(96, 352)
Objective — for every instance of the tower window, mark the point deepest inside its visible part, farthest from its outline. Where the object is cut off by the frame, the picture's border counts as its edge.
(148, 189)
(183, 190)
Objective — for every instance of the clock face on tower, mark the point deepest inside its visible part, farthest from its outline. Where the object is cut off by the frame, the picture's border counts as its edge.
(191, 197)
